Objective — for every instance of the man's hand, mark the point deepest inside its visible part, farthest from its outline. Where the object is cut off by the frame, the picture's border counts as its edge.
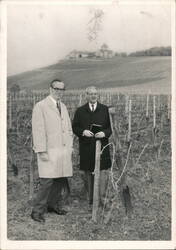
(88, 133)
(100, 135)
(43, 156)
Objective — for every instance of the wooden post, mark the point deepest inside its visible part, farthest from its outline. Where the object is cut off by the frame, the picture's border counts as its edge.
(115, 133)
(154, 112)
(34, 101)
(159, 102)
(80, 99)
(96, 181)
(154, 120)
(110, 98)
(111, 115)
(126, 103)
(129, 121)
(147, 107)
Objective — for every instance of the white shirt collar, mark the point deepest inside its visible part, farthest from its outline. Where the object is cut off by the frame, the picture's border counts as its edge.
(90, 105)
(53, 100)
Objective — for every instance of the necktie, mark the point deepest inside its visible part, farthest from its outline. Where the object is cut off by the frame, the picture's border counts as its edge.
(59, 107)
(92, 108)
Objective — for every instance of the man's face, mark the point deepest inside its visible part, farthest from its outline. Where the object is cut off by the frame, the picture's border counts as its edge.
(57, 90)
(92, 95)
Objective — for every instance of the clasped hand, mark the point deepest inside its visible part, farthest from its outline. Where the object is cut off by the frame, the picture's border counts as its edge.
(100, 135)
(88, 133)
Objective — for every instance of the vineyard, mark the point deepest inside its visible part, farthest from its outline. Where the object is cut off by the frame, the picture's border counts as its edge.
(141, 139)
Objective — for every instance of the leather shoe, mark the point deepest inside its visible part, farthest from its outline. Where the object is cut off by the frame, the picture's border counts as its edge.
(37, 217)
(56, 211)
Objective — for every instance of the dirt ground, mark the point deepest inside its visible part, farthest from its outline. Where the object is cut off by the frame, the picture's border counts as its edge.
(148, 176)
(150, 188)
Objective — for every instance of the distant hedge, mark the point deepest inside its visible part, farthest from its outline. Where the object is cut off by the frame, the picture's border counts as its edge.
(156, 51)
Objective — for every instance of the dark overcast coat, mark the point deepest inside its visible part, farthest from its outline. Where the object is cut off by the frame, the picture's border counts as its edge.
(83, 119)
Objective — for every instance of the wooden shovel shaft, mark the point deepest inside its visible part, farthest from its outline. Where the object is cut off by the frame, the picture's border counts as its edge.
(96, 181)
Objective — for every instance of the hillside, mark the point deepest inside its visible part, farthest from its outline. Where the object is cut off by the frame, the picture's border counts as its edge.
(115, 72)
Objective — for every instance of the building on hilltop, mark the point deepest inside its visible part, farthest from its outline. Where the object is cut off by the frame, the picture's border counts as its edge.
(75, 54)
(103, 52)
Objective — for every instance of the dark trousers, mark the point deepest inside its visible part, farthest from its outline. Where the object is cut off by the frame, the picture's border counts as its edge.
(47, 195)
(89, 183)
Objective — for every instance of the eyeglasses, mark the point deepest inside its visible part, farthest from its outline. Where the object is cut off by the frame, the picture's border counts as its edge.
(92, 94)
(57, 89)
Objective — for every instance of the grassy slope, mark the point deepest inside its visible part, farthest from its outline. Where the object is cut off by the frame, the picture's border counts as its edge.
(116, 72)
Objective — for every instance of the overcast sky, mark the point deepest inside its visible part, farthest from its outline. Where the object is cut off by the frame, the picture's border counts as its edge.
(40, 35)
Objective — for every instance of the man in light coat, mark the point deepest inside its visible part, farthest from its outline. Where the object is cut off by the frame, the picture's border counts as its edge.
(52, 141)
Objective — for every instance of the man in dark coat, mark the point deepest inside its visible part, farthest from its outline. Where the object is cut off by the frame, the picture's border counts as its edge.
(85, 116)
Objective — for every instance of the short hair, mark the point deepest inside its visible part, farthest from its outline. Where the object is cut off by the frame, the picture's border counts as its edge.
(55, 80)
(89, 88)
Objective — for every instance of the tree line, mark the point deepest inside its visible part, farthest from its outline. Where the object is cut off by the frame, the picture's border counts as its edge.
(155, 51)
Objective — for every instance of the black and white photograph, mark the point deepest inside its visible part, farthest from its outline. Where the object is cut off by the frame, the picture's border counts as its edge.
(87, 97)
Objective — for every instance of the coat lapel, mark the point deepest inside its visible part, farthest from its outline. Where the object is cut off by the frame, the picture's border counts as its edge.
(88, 108)
(98, 107)
(51, 105)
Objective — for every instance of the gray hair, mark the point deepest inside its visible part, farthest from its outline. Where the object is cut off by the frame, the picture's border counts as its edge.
(89, 88)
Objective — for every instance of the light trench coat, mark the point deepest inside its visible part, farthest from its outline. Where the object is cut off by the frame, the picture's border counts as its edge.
(52, 133)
